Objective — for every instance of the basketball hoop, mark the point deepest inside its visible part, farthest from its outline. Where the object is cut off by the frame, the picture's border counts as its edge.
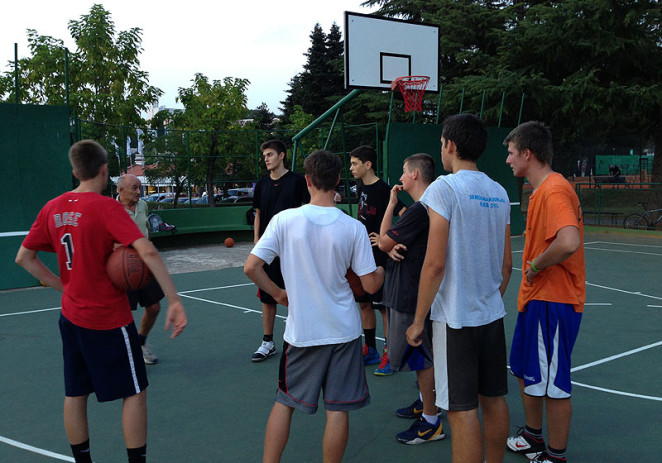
(412, 89)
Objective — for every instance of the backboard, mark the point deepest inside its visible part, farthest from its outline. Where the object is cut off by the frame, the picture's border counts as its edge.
(378, 50)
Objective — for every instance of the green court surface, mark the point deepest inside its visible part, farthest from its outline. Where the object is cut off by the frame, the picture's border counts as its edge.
(208, 403)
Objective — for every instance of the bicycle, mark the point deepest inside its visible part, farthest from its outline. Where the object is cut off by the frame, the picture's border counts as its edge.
(643, 221)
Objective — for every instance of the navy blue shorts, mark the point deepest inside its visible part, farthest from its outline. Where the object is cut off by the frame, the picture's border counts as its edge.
(150, 294)
(106, 362)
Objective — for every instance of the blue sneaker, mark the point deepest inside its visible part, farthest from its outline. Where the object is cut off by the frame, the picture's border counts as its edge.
(415, 410)
(370, 355)
(421, 431)
(384, 368)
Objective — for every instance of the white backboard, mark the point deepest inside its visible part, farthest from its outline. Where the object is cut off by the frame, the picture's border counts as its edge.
(378, 50)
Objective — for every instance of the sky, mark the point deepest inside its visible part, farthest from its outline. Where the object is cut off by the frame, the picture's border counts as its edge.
(263, 41)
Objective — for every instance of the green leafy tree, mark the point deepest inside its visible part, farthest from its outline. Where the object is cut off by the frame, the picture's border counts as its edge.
(166, 154)
(213, 109)
(589, 68)
(106, 82)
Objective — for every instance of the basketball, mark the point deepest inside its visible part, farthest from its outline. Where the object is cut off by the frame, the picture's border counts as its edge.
(127, 270)
(229, 242)
(355, 283)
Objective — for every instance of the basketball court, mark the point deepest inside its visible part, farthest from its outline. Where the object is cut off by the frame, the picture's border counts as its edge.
(207, 402)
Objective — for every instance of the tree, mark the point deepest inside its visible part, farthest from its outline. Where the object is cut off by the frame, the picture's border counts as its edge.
(320, 84)
(589, 68)
(106, 82)
(213, 110)
(263, 119)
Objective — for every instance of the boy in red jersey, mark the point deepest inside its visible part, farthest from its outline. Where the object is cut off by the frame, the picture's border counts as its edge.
(101, 348)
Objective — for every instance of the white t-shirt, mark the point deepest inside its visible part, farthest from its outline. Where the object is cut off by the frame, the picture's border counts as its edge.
(316, 246)
(478, 211)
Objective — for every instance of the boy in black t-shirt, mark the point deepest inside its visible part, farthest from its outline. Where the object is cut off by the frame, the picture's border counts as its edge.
(406, 244)
(373, 195)
(281, 189)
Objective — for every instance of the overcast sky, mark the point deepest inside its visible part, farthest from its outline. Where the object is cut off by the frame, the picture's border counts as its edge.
(260, 40)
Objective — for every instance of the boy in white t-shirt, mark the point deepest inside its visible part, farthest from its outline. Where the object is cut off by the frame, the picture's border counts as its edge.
(466, 270)
(322, 347)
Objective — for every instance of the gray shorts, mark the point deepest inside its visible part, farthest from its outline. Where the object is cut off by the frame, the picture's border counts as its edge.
(404, 357)
(335, 369)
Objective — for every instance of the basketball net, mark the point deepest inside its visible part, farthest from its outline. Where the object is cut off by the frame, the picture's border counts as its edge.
(412, 89)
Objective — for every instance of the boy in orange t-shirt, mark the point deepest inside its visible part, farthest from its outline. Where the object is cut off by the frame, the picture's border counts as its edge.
(551, 296)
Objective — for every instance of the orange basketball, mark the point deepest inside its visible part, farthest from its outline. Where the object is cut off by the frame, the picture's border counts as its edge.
(229, 242)
(355, 283)
(127, 270)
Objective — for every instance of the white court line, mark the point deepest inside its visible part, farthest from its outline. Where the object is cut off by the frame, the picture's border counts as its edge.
(626, 244)
(217, 287)
(29, 312)
(654, 306)
(16, 233)
(633, 293)
(30, 448)
(613, 391)
(622, 250)
(244, 309)
(617, 356)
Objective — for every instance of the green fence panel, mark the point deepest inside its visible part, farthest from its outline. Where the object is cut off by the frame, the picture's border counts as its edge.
(34, 142)
(406, 139)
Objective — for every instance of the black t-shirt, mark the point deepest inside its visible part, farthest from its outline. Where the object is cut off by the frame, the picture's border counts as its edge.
(401, 281)
(273, 196)
(373, 201)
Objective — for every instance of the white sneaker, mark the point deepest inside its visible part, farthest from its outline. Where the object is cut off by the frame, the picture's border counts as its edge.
(525, 445)
(149, 357)
(266, 350)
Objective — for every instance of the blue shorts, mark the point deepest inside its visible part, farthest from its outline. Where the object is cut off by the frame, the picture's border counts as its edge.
(545, 334)
(106, 362)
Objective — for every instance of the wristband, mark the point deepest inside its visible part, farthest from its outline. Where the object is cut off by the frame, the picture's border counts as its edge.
(533, 266)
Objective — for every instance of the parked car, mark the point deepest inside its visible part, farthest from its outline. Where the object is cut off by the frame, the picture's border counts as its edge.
(238, 199)
(240, 192)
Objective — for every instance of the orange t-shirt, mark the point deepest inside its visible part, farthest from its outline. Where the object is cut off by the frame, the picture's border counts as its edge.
(552, 206)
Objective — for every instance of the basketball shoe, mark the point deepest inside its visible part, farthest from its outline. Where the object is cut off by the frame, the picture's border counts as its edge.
(525, 444)
(266, 350)
(421, 431)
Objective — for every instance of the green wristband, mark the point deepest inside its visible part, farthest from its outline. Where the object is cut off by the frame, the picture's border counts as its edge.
(533, 266)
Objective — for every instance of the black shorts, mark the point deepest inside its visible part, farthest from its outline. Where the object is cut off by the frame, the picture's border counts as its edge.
(106, 362)
(150, 294)
(376, 299)
(469, 362)
(273, 272)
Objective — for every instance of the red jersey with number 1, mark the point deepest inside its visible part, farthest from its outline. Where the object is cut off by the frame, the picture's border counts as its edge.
(82, 229)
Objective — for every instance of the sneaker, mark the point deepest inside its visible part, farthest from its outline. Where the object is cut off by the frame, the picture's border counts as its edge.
(526, 445)
(370, 355)
(384, 368)
(421, 431)
(545, 458)
(415, 410)
(149, 357)
(266, 350)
